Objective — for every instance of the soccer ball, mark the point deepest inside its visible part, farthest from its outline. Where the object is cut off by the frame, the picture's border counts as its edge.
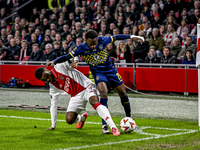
(127, 124)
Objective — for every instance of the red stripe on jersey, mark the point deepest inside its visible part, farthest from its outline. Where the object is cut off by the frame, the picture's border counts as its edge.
(66, 83)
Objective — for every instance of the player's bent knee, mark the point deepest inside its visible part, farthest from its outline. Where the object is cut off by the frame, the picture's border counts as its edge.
(69, 120)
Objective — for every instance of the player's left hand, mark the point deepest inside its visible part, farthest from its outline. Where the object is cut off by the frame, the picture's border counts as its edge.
(74, 64)
(137, 38)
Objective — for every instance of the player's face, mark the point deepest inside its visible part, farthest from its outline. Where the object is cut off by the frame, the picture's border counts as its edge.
(47, 76)
(92, 43)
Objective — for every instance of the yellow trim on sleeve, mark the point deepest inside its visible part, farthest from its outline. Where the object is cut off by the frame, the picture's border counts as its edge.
(71, 55)
(111, 39)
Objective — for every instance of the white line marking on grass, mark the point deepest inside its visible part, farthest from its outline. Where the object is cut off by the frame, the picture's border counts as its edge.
(154, 136)
(132, 140)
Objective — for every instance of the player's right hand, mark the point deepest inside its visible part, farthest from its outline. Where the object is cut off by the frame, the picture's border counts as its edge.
(51, 63)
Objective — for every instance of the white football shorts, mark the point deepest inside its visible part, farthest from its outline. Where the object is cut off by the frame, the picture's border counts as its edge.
(78, 102)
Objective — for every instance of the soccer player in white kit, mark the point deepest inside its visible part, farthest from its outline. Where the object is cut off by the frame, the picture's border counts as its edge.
(65, 79)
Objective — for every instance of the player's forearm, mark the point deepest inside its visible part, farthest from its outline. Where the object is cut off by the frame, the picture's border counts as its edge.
(62, 58)
(121, 37)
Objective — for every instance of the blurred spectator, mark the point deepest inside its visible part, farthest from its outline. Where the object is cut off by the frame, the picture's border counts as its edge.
(189, 45)
(53, 34)
(152, 56)
(122, 4)
(60, 25)
(78, 29)
(3, 13)
(1, 44)
(47, 40)
(65, 31)
(48, 55)
(34, 40)
(36, 53)
(3, 24)
(44, 13)
(176, 48)
(134, 30)
(37, 24)
(168, 5)
(17, 28)
(193, 33)
(9, 37)
(71, 17)
(13, 47)
(120, 24)
(156, 21)
(146, 11)
(17, 21)
(196, 6)
(167, 57)
(70, 42)
(188, 59)
(183, 16)
(129, 23)
(45, 25)
(76, 4)
(88, 26)
(30, 30)
(3, 35)
(194, 18)
(135, 13)
(123, 54)
(108, 17)
(179, 5)
(52, 27)
(9, 30)
(130, 44)
(6, 54)
(162, 30)
(18, 41)
(159, 2)
(25, 36)
(184, 39)
(41, 18)
(56, 11)
(141, 49)
(24, 24)
(25, 51)
(170, 35)
(34, 15)
(104, 29)
(147, 30)
(57, 49)
(38, 32)
(111, 50)
(53, 19)
(111, 27)
(83, 25)
(171, 20)
(182, 28)
(156, 41)
(77, 13)
(65, 48)
(112, 6)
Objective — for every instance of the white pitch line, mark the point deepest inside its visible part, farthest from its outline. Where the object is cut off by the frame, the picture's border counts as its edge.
(156, 136)
(132, 140)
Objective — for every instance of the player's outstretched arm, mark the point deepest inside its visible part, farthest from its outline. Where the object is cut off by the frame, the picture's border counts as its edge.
(123, 36)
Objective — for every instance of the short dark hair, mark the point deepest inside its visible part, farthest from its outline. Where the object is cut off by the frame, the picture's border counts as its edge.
(91, 34)
(167, 48)
(38, 72)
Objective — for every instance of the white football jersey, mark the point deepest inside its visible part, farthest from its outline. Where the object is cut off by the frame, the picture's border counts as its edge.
(68, 80)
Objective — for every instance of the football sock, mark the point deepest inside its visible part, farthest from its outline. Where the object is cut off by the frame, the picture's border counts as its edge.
(104, 114)
(104, 101)
(78, 118)
(126, 104)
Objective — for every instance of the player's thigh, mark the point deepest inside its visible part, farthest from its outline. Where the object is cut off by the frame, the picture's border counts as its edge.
(99, 77)
(91, 95)
(114, 79)
(77, 104)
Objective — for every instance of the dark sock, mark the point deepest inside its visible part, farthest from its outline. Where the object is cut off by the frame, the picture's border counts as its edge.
(126, 104)
(104, 101)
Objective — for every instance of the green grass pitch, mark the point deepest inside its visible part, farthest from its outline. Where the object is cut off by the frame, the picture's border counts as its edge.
(21, 130)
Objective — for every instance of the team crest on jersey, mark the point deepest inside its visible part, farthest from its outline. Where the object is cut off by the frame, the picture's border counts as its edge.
(100, 47)
(97, 77)
(61, 77)
(96, 57)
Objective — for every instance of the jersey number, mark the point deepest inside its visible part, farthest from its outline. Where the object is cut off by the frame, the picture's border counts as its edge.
(119, 77)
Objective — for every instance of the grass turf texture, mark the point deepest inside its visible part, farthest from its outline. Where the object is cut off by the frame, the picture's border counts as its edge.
(24, 134)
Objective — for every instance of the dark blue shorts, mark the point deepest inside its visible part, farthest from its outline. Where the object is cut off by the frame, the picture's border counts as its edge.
(113, 77)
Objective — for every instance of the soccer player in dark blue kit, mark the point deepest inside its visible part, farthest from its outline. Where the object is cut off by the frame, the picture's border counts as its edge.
(102, 67)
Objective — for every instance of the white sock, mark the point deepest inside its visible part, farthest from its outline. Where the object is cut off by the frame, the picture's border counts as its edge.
(80, 118)
(105, 115)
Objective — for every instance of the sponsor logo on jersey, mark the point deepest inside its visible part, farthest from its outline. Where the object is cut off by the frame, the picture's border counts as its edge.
(100, 47)
(67, 84)
(97, 77)
(96, 57)
(61, 77)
